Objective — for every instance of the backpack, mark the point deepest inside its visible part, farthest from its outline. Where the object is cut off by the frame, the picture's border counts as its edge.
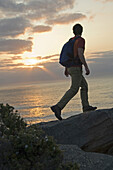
(67, 54)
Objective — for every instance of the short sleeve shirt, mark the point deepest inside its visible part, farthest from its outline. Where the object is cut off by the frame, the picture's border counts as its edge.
(79, 43)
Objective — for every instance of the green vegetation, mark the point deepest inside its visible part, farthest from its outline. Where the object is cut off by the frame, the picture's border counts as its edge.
(27, 148)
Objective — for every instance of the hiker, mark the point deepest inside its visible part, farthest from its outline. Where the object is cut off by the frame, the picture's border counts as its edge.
(77, 79)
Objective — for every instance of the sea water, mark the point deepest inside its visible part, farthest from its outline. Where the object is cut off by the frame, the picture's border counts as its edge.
(33, 101)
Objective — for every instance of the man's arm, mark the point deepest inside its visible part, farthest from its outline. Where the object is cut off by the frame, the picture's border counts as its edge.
(82, 58)
(66, 72)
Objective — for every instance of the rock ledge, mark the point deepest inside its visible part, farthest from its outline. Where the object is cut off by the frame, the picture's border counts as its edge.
(81, 135)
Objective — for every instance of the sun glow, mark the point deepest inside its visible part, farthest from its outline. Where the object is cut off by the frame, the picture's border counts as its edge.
(33, 62)
(42, 67)
(30, 61)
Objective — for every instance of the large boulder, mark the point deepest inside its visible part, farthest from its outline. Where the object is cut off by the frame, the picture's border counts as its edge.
(91, 131)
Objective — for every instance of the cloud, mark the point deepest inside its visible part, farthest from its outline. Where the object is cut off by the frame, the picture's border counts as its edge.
(11, 6)
(11, 66)
(15, 46)
(52, 71)
(47, 59)
(91, 18)
(39, 58)
(16, 58)
(13, 26)
(66, 18)
(37, 10)
(15, 73)
(101, 54)
(48, 11)
(53, 5)
(12, 62)
(47, 7)
(51, 56)
(30, 38)
(101, 63)
(41, 29)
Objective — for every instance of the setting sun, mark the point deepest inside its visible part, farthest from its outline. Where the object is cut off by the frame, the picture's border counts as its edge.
(30, 62)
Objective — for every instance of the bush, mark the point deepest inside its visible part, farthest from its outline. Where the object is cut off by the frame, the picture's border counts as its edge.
(27, 148)
(10, 121)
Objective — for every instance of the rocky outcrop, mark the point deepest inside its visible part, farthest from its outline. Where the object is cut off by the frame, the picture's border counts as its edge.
(91, 131)
(86, 160)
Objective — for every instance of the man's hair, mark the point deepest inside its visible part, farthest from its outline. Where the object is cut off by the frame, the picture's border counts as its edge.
(77, 29)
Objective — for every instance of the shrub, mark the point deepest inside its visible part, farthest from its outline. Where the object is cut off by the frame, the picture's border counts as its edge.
(10, 121)
(26, 148)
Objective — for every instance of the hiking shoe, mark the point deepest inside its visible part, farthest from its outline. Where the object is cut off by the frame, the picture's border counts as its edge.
(89, 108)
(57, 111)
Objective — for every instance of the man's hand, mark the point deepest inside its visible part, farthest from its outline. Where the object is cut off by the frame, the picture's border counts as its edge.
(82, 58)
(66, 72)
(87, 71)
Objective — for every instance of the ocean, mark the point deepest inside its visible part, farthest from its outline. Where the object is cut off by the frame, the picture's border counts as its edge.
(33, 101)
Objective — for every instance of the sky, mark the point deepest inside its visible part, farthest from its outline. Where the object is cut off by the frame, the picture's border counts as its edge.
(32, 33)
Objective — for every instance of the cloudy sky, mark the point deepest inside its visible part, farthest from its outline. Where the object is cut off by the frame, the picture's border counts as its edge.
(32, 33)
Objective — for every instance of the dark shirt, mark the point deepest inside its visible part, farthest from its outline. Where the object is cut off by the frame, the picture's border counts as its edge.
(79, 43)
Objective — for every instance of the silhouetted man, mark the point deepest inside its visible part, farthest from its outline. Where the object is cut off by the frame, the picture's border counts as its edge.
(77, 78)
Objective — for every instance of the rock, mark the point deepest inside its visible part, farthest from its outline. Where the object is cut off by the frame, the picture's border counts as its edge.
(91, 131)
(86, 160)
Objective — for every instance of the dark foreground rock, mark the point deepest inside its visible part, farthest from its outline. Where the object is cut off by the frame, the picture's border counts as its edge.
(86, 160)
(92, 132)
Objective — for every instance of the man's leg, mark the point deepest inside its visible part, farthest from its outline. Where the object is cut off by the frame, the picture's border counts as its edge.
(84, 96)
(76, 77)
(84, 92)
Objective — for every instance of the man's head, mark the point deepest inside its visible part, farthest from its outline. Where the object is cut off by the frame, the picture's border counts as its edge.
(77, 29)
